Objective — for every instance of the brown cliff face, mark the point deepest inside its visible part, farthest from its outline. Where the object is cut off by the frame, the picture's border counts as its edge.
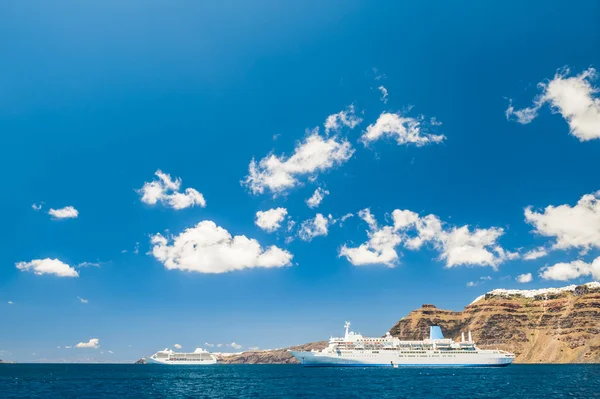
(561, 327)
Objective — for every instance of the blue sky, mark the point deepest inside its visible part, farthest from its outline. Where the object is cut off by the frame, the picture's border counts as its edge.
(99, 96)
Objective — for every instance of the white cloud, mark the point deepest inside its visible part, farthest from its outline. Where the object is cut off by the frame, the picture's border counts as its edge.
(343, 118)
(208, 248)
(315, 154)
(209, 345)
(68, 346)
(235, 346)
(309, 229)
(472, 284)
(524, 278)
(384, 94)
(270, 220)
(379, 249)
(88, 264)
(290, 225)
(82, 300)
(48, 266)
(345, 217)
(575, 98)
(457, 245)
(568, 271)
(572, 227)
(315, 200)
(68, 212)
(93, 343)
(111, 352)
(11, 303)
(166, 191)
(478, 248)
(177, 346)
(368, 217)
(405, 130)
(535, 253)
(523, 116)
(36, 207)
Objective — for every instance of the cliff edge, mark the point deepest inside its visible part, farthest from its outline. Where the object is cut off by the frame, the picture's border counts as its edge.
(556, 325)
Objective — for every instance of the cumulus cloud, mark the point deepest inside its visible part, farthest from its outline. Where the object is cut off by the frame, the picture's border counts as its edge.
(404, 129)
(524, 278)
(535, 253)
(572, 226)
(48, 266)
(315, 199)
(235, 346)
(315, 154)
(209, 345)
(379, 248)
(82, 300)
(208, 248)
(36, 207)
(68, 212)
(461, 246)
(177, 346)
(457, 245)
(11, 303)
(346, 118)
(384, 94)
(93, 343)
(167, 191)
(309, 229)
(574, 97)
(270, 220)
(568, 271)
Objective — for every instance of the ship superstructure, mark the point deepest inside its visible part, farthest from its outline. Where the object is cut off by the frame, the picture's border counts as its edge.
(198, 357)
(355, 350)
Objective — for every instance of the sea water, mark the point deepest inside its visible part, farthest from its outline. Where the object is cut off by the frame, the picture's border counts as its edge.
(294, 381)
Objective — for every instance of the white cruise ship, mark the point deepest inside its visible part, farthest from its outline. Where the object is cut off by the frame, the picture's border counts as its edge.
(355, 350)
(197, 358)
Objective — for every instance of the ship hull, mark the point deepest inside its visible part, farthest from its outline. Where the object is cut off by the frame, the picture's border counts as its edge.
(394, 359)
(181, 363)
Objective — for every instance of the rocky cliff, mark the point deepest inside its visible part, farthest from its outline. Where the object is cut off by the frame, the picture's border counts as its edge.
(275, 356)
(550, 326)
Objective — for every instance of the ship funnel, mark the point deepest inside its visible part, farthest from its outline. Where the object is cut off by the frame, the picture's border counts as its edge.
(470, 337)
(462, 335)
(435, 332)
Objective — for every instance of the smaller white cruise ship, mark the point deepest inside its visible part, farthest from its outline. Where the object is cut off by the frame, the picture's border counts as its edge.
(199, 357)
(355, 350)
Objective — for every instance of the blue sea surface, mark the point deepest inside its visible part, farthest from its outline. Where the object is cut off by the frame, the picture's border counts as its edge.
(293, 381)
